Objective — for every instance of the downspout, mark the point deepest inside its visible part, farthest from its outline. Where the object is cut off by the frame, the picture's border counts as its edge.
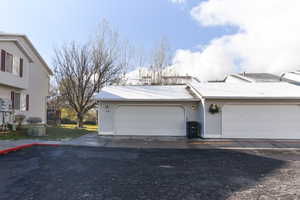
(203, 126)
(282, 75)
(98, 116)
(202, 100)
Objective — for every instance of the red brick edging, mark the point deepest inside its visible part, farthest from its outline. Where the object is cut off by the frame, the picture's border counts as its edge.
(5, 151)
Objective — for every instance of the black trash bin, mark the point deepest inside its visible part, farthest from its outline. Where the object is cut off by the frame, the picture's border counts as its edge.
(193, 129)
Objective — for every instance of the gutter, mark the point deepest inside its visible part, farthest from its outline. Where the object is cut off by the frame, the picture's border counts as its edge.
(200, 96)
(258, 98)
(147, 100)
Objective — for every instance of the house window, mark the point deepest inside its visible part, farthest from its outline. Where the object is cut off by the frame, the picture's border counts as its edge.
(3, 53)
(24, 102)
(20, 101)
(17, 101)
(11, 64)
(8, 62)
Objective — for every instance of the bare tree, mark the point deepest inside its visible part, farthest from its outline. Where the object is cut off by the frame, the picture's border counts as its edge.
(161, 55)
(82, 70)
(55, 101)
(159, 60)
(159, 70)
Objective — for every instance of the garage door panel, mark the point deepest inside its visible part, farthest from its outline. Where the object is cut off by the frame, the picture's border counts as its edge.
(150, 120)
(261, 121)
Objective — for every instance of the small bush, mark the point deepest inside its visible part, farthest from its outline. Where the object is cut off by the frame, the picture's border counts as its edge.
(67, 121)
(90, 123)
(34, 120)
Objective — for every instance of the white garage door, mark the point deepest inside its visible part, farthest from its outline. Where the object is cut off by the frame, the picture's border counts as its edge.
(261, 121)
(150, 120)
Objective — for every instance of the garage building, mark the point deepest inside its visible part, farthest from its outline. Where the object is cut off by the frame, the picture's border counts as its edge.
(224, 110)
(146, 110)
(250, 110)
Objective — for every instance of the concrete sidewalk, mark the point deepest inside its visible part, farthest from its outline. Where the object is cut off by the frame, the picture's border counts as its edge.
(95, 140)
(180, 142)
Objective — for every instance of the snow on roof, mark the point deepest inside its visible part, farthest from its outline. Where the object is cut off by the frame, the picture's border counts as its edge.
(145, 93)
(266, 90)
(261, 77)
(293, 76)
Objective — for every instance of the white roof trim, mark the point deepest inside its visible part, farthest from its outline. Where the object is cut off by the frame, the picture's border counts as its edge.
(20, 46)
(145, 93)
(241, 77)
(149, 100)
(32, 48)
(257, 98)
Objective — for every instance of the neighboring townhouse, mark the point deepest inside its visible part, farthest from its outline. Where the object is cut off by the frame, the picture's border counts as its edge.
(292, 76)
(268, 110)
(24, 76)
(260, 78)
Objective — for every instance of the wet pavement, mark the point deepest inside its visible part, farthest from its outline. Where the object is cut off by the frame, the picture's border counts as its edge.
(87, 173)
(94, 140)
(179, 142)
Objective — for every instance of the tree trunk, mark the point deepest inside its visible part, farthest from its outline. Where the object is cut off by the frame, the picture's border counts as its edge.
(80, 120)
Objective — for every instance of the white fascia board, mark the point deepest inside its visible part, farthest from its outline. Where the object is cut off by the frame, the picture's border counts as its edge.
(259, 98)
(242, 77)
(147, 100)
(32, 48)
(199, 95)
(19, 45)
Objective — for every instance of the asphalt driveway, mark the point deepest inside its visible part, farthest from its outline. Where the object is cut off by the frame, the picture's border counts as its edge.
(73, 173)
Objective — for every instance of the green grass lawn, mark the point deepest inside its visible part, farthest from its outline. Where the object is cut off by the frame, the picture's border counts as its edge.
(93, 128)
(53, 133)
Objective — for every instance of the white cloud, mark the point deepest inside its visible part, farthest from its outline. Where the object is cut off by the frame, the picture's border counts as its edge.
(268, 39)
(178, 1)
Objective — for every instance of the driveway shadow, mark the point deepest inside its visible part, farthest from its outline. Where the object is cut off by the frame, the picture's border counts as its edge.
(104, 173)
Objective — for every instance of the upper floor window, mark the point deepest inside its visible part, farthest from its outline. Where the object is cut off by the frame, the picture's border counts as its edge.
(11, 64)
(8, 62)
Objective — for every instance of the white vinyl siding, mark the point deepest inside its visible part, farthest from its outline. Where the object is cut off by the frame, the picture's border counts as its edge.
(16, 66)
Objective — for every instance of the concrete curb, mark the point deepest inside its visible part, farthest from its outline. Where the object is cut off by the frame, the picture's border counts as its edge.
(258, 148)
(5, 151)
(185, 147)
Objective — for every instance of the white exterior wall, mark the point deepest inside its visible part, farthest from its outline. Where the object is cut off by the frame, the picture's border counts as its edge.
(213, 122)
(35, 80)
(38, 90)
(107, 111)
(5, 92)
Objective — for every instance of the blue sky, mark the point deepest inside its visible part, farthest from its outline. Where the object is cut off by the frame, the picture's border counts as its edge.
(51, 23)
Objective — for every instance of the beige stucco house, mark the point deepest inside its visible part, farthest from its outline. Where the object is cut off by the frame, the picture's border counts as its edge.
(24, 76)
